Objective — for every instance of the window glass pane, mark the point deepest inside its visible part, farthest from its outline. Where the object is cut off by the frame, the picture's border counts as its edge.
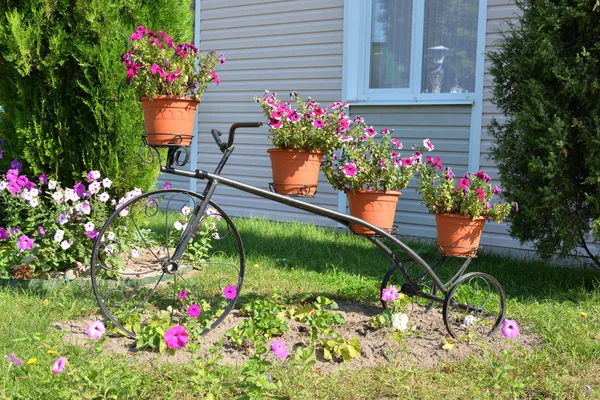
(391, 27)
(449, 46)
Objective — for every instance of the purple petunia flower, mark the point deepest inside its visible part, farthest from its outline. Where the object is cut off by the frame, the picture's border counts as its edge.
(13, 359)
(167, 185)
(510, 329)
(44, 178)
(59, 365)
(79, 189)
(449, 174)
(15, 164)
(25, 243)
(182, 295)
(42, 231)
(497, 190)
(4, 234)
(390, 294)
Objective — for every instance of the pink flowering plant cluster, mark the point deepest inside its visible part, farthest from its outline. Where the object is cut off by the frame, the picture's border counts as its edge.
(308, 127)
(370, 160)
(44, 226)
(156, 65)
(471, 195)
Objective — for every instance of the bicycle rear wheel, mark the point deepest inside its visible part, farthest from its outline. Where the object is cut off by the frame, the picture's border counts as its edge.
(136, 279)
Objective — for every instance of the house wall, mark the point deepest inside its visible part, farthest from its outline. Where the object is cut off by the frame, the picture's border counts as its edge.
(297, 45)
(281, 46)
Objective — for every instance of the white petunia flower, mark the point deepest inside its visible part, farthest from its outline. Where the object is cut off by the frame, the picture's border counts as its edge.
(400, 321)
(178, 226)
(52, 184)
(89, 226)
(469, 320)
(104, 197)
(106, 182)
(59, 235)
(134, 253)
(33, 202)
(65, 245)
(110, 235)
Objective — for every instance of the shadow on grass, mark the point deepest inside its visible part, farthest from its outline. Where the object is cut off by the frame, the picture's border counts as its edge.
(301, 246)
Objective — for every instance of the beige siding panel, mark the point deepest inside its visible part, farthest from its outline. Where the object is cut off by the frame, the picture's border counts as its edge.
(264, 50)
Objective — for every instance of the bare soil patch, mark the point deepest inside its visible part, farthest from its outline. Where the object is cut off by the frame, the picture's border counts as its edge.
(423, 349)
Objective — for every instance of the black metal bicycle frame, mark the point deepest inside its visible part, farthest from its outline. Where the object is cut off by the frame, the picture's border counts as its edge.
(213, 179)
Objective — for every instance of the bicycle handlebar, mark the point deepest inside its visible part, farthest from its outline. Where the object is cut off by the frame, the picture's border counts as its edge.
(216, 133)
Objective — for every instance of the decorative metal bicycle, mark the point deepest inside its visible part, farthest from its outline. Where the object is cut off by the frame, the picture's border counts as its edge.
(156, 244)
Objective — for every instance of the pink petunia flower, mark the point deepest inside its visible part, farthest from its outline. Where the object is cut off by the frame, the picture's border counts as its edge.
(318, 123)
(407, 162)
(427, 144)
(389, 294)
(480, 194)
(370, 131)
(167, 185)
(215, 77)
(397, 143)
(275, 123)
(95, 330)
(463, 183)
(279, 349)
(349, 170)
(222, 59)
(176, 337)
(59, 365)
(194, 310)
(230, 292)
(510, 329)
(182, 295)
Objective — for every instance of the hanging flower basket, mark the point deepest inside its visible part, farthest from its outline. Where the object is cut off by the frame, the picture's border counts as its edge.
(458, 235)
(295, 172)
(376, 207)
(169, 120)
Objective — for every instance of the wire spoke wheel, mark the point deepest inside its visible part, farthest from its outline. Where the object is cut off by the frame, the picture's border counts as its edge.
(474, 306)
(141, 271)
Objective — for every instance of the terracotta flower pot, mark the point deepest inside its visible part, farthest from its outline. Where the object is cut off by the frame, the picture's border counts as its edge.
(169, 120)
(295, 172)
(376, 207)
(458, 235)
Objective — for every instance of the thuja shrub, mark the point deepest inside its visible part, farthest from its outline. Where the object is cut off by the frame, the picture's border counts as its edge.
(67, 108)
(545, 70)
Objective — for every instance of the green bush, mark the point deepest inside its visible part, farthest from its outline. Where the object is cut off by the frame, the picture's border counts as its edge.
(547, 83)
(62, 85)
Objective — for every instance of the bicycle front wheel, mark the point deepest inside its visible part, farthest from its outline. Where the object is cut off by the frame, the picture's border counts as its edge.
(137, 279)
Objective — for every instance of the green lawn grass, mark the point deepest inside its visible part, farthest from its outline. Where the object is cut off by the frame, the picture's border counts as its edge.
(298, 261)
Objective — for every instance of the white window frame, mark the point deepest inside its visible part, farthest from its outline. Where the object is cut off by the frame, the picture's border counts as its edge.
(356, 60)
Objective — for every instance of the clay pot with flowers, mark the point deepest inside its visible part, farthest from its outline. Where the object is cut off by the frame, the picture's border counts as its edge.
(301, 136)
(170, 80)
(371, 171)
(461, 206)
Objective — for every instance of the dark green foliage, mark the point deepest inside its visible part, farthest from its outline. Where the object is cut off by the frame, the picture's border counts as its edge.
(547, 82)
(62, 85)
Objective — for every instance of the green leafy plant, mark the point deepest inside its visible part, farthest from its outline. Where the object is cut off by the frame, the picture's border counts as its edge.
(265, 320)
(309, 127)
(320, 322)
(67, 106)
(546, 84)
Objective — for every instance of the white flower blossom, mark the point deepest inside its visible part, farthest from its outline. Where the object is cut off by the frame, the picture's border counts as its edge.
(59, 235)
(134, 253)
(3, 185)
(65, 245)
(185, 211)
(89, 226)
(400, 321)
(469, 320)
(104, 197)
(52, 184)
(110, 235)
(33, 202)
(106, 183)
(94, 187)
(110, 249)
(57, 196)
(178, 226)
